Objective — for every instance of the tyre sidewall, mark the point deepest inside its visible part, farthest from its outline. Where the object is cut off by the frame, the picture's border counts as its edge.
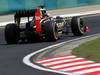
(11, 34)
(75, 26)
(51, 32)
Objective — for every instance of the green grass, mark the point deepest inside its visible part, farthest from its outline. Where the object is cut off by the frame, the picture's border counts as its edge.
(89, 50)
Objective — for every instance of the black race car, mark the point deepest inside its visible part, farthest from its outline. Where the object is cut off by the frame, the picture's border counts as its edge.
(42, 26)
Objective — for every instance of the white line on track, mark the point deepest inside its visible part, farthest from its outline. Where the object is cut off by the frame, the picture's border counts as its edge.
(5, 23)
(66, 15)
(81, 13)
(87, 71)
(26, 59)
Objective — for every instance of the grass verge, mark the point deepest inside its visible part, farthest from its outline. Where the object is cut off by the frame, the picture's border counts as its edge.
(89, 50)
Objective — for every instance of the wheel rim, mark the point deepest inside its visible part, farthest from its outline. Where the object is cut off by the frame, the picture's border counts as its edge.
(82, 26)
(56, 33)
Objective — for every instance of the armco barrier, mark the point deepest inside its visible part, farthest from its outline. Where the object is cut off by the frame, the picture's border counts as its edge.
(14, 5)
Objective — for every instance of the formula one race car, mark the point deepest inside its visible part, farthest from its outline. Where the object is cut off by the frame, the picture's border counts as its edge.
(41, 26)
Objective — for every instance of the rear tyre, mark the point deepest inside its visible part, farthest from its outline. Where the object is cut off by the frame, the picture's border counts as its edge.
(77, 26)
(51, 31)
(11, 34)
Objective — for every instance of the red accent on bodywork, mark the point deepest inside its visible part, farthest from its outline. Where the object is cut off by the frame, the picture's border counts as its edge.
(37, 20)
(87, 29)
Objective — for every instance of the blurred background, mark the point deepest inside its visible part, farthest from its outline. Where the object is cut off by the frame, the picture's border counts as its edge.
(9, 6)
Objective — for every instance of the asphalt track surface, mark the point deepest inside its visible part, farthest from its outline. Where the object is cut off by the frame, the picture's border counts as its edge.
(11, 55)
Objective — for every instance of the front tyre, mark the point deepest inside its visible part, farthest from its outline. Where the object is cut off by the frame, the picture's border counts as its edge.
(77, 26)
(11, 33)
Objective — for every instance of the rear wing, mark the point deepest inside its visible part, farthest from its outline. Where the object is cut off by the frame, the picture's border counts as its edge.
(25, 13)
(28, 13)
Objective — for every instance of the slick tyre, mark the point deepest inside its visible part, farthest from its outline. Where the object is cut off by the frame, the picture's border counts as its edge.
(51, 32)
(11, 34)
(77, 26)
